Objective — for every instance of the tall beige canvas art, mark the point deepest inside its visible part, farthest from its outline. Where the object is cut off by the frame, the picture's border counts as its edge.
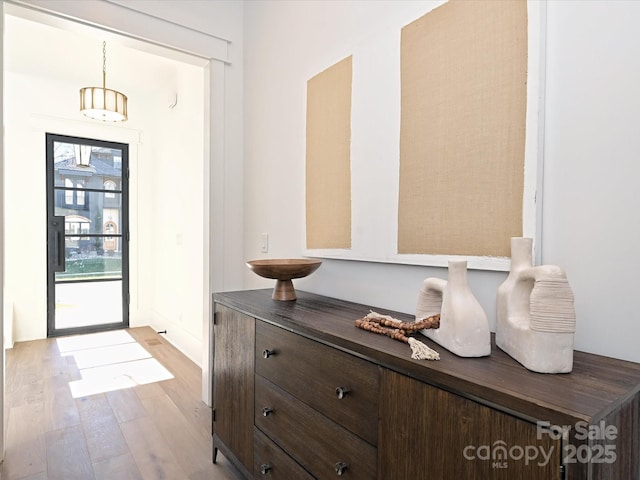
(328, 173)
(462, 136)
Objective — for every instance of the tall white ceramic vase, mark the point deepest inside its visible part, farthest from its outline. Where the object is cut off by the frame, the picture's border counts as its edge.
(464, 327)
(535, 316)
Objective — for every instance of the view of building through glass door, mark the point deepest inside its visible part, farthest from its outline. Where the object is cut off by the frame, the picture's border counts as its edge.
(87, 235)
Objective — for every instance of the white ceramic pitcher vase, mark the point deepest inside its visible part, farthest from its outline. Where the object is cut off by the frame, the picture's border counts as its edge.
(464, 327)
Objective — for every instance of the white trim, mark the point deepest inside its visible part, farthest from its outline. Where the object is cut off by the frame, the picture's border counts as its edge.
(3, 426)
(130, 6)
(80, 128)
(118, 21)
(214, 178)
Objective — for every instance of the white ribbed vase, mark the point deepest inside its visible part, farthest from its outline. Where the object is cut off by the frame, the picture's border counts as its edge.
(535, 315)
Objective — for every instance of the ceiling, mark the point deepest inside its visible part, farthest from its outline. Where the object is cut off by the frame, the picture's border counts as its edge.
(63, 50)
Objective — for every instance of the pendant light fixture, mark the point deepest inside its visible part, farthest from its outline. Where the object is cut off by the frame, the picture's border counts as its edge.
(103, 103)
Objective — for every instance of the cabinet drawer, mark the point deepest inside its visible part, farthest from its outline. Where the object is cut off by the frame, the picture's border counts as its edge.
(273, 463)
(317, 443)
(341, 386)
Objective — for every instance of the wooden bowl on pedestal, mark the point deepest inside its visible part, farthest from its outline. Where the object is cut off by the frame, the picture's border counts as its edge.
(283, 270)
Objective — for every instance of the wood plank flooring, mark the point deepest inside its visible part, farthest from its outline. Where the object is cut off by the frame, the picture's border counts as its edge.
(150, 431)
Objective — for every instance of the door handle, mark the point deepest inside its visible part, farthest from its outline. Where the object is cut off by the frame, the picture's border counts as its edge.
(59, 257)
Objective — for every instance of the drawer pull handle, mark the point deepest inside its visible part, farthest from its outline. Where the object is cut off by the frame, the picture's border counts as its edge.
(341, 392)
(267, 353)
(266, 411)
(340, 467)
(264, 468)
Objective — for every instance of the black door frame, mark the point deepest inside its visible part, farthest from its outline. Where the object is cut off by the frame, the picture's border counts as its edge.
(54, 248)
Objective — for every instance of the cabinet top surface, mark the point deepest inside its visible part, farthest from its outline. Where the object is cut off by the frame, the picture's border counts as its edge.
(596, 386)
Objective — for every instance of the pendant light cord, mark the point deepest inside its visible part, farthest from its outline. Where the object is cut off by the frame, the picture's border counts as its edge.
(104, 65)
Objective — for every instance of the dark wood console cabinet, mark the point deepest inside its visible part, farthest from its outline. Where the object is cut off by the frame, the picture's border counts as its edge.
(299, 393)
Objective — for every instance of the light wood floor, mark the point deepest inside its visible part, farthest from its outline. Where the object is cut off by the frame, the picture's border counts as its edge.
(153, 431)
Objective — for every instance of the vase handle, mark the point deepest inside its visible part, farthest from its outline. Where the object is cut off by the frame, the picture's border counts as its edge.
(430, 297)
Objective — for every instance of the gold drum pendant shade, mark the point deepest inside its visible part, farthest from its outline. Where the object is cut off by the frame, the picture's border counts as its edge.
(102, 103)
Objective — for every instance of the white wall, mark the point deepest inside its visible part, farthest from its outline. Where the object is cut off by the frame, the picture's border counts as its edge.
(591, 216)
(171, 232)
(590, 226)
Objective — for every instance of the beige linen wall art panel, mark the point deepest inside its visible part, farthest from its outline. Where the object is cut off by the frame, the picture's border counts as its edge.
(328, 172)
(424, 145)
(462, 134)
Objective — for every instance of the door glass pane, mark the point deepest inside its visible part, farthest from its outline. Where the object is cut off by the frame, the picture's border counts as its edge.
(91, 258)
(104, 164)
(89, 212)
(80, 304)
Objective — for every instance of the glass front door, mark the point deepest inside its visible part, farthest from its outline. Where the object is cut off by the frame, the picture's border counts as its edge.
(87, 261)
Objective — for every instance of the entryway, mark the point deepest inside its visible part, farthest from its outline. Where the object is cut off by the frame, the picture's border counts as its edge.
(87, 235)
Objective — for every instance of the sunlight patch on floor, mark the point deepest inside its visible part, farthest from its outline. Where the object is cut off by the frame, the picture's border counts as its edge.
(96, 357)
(110, 361)
(118, 376)
(93, 340)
